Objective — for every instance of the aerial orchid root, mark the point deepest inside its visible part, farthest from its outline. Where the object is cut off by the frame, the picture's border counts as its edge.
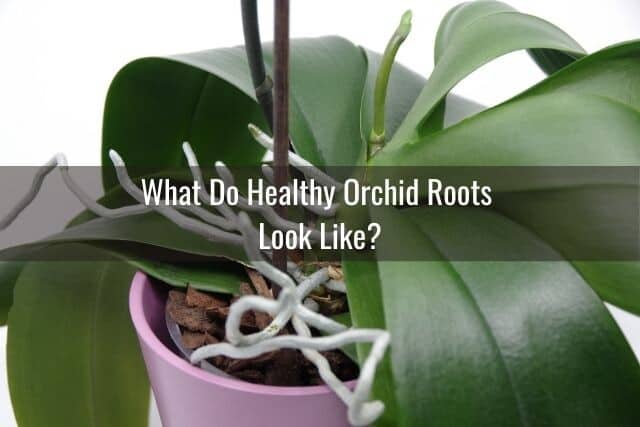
(292, 305)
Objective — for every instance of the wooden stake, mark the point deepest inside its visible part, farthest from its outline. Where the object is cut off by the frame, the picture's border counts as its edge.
(281, 112)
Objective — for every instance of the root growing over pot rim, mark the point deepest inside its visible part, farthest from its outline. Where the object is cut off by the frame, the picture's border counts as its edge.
(292, 305)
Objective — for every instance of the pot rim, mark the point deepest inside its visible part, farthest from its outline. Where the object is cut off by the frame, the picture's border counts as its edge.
(145, 333)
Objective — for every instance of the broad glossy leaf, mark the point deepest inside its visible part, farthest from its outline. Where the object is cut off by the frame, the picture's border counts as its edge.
(461, 16)
(150, 229)
(551, 129)
(472, 35)
(181, 259)
(551, 61)
(615, 282)
(588, 220)
(207, 274)
(506, 343)
(73, 359)
(154, 104)
(556, 137)
(223, 277)
(343, 319)
(366, 309)
(611, 72)
(554, 129)
(465, 13)
(565, 120)
(206, 98)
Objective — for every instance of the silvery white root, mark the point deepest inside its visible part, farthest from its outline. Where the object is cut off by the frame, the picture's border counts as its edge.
(309, 170)
(183, 221)
(60, 161)
(292, 304)
(336, 286)
(311, 304)
(267, 212)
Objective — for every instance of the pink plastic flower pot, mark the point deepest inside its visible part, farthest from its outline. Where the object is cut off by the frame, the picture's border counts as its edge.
(187, 396)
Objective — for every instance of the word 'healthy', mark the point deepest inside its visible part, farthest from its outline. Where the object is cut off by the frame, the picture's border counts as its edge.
(300, 192)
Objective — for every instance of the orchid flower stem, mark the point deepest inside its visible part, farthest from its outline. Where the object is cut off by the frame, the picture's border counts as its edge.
(377, 135)
(261, 81)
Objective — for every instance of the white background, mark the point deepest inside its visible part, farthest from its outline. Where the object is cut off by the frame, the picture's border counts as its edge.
(58, 57)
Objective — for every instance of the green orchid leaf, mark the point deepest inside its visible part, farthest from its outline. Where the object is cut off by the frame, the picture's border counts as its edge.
(343, 319)
(478, 341)
(154, 104)
(564, 120)
(552, 61)
(212, 274)
(464, 14)
(615, 282)
(221, 277)
(366, 309)
(611, 73)
(9, 273)
(608, 235)
(472, 35)
(72, 355)
(554, 129)
(148, 229)
(575, 139)
(459, 17)
(211, 102)
(207, 274)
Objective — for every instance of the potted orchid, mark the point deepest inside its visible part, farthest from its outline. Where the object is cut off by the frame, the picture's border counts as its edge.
(236, 335)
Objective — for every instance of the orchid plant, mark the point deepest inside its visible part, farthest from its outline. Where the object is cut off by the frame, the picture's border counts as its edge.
(470, 343)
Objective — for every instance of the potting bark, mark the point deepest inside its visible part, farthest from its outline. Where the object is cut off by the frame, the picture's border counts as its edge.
(202, 316)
